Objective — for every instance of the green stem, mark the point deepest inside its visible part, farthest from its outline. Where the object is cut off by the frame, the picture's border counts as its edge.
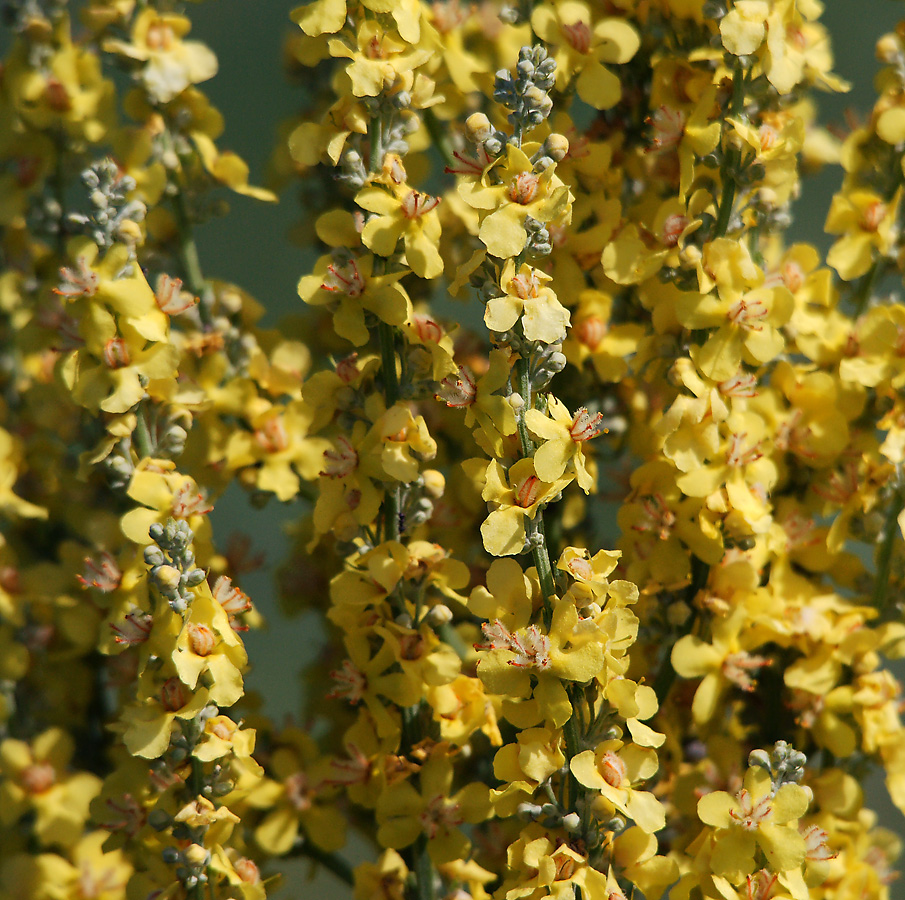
(196, 779)
(375, 139)
(727, 197)
(865, 288)
(191, 262)
(524, 389)
(539, 552)
(540, 555)
(439, 137)
(387, 336)
(142, 435)
(330, 861)
(888, 536)
(729, 169)
(424, 870)
(666, 674)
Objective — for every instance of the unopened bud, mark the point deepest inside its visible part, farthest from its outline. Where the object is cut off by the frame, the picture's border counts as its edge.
(166, 577)
(556, 146)
(434, 483)
(888, 48)
(572, 823)
(439, 615)
(195, 855)
(478, 126)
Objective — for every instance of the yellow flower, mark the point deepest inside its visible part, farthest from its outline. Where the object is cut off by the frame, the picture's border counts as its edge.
(404, 813)
(746, 314)
(118, 366)
(380, 61)
(517, 495)
(382, 880)
(148, 725)
(757, 817)
(329, 16)
(540, 866)
(171, 64)
(528, 298)
(563, 436)
(278, 449)
(349, 280)
(614, 769)
(402, 213)
(594, 336)
(724, 662)
(523, 662)
(479, 397)
(298, 799)
(582, 46)
(66, 92)
(208, 644)
(509, 191)
(867, 224)
(35, 779)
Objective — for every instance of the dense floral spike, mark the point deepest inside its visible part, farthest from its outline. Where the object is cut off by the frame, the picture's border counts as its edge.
(501, 708)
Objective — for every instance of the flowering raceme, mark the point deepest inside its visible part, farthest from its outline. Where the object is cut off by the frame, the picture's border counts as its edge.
(596, 478)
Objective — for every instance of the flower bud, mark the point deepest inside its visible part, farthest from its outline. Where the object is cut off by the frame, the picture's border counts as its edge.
(434, 483)
(439, 615)
(478, 126)
(195, 855)
(556, 146)
(166, 577)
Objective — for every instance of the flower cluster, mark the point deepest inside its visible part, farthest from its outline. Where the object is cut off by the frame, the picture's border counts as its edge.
(599, 481)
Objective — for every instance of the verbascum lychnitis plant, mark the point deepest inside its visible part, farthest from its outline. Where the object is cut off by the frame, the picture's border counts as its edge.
(595, 476)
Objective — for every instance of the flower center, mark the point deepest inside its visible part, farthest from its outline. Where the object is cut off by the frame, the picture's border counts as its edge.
(350, 683)
(416, 204)
(581, 568)
(751, 815)
(458, 390)
(673, 227)
(873, 216)
(792, 275)
(172, 695)
(298, 791)
(342, 461)
(160, 36)
(116, 353)
(523, 188)
(592, 331)
(747, 314)
(201, 640)
(585, 426)
(668, 126)
(738, 455)
(612, 768)
(188, 501)
(427, 329)
(272, 436)
(38, 777)
(347, 368)
(102, 573)
(578, 35)
(768, 137)
(740, 668)
(344, 279)
(440, 814)
(527, 491)
(742, 384)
